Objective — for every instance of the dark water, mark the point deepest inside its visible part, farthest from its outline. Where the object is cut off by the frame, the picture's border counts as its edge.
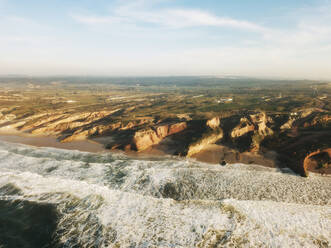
(27, 224)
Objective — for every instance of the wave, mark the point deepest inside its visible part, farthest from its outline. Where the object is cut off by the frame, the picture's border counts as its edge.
(107, 200)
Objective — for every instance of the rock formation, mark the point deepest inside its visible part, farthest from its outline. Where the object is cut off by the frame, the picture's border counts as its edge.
(207, 139)
(250, 132)
(255, 125)
(152, 136)
(243, 128)
(320, 159)
(214, 123)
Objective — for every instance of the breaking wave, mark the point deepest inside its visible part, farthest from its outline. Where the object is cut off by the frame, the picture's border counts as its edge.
(58, 198)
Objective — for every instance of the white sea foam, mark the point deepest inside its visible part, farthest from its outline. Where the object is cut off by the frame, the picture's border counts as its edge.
(105, 200)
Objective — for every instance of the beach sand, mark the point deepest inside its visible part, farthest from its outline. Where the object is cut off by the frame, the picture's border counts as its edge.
(50, 141)
(213, 154)
(216, 154)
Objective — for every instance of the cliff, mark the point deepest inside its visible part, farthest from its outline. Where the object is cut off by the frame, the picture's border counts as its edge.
(152, 136)
(293, 137)
(207, 139)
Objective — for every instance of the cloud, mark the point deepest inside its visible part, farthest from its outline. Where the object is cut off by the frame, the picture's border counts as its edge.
(299, 49)
(312, 27)
(192, 18)
(144, 38)
(136, 13)
(92, 20)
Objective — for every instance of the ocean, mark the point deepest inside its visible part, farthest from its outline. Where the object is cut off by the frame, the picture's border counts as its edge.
(52, 197)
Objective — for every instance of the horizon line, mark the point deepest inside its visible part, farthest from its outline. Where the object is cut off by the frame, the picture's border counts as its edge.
(229, 76)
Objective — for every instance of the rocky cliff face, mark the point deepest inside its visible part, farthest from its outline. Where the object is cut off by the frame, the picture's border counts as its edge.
(255, 127)
(257, 123)
(318, 160)
(288, 124)
(57, 123)
(261, 121)
(152, 136)
(4, 117)
(255, 132)
(214, 123)
(243, 128)
(207, 139)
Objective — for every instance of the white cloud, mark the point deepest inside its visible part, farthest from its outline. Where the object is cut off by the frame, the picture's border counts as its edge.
(191, 18)
(312, 28)
(172, 18)
(172, 42)
(92, 20)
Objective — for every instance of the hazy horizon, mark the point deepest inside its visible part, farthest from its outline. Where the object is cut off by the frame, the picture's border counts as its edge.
(239, 77)
(139, 38)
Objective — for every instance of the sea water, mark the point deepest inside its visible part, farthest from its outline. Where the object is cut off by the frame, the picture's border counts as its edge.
(63, 198)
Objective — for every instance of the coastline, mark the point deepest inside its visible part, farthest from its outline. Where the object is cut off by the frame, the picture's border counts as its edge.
(213, 154)
(216, 154)
(14, 136)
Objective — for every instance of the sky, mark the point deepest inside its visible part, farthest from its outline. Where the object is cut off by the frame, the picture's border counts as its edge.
(255, 38)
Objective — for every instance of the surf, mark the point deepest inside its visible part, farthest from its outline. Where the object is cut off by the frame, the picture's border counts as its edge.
(112, 200)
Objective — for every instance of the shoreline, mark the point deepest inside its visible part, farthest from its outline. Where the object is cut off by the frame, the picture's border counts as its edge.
(213, 154)
(12, 135)
(216, 154)
(50, 141)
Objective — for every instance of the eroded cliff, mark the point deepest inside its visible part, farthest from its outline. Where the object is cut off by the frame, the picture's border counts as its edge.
(292, 136)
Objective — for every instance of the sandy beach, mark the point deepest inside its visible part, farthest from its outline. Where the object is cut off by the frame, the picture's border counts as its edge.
(213, 154)
(14, 136)
(216, 154)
